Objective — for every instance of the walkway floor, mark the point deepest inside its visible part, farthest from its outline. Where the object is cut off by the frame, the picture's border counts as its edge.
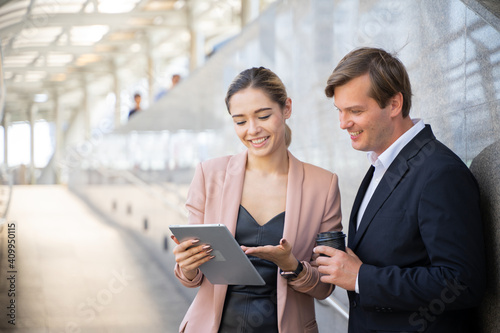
(73, 272)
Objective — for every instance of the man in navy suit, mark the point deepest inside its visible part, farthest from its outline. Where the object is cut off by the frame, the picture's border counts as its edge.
(415, 257)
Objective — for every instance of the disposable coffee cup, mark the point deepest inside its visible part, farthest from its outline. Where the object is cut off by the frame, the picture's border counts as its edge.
(335, 239)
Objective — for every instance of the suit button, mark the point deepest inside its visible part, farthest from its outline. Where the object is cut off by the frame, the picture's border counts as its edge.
(353, 304)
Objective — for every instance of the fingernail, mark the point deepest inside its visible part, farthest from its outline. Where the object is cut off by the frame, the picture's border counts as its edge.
(194, 241)
(205, 247)
(208, 251)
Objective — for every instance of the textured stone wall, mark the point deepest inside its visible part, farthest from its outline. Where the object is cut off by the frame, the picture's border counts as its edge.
(486, 169)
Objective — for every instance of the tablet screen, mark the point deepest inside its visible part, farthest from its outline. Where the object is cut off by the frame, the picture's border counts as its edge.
(230, 265)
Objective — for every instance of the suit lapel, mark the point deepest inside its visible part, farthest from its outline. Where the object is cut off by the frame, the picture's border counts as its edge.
(357, 202)
(389, 182)
(384, 189)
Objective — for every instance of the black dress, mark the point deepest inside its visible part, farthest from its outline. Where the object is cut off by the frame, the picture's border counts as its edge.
(254, 308)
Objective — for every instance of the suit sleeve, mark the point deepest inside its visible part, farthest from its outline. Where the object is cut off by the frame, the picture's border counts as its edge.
(195, 205)
(310, 283)
(450, 226)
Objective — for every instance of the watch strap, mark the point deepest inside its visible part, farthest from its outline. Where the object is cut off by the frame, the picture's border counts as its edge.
(294, 274)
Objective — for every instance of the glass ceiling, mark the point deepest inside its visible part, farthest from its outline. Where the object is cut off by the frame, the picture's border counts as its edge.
(52, 46)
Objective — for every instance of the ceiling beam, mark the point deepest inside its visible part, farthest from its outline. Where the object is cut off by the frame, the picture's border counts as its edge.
(125, 20)
(164, 26)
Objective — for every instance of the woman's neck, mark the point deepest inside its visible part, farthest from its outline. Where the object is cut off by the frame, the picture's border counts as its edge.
(276, 163)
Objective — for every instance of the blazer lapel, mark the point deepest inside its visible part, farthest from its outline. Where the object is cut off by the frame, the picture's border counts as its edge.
(292, 214)
(232, 190)
(228, 211)
(293, 198)
(357, 202)
(384, 189)
(390, 181)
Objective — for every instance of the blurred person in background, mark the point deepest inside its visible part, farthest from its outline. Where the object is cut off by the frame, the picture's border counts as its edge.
(274, 204)
(176, 78)
(137, 106)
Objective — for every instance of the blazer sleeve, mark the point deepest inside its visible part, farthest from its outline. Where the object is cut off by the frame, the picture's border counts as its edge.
(195, 205)
(310, 283)
(450, 226)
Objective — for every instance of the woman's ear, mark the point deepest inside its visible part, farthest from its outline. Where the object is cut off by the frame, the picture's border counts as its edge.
(287, 111)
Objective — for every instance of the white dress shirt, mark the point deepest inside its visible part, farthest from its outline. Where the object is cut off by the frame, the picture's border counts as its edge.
(381, 164)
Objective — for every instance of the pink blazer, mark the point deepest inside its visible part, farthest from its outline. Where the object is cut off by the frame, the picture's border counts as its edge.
(312, 206)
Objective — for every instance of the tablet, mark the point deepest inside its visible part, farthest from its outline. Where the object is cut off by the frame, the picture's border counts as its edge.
(230, 265)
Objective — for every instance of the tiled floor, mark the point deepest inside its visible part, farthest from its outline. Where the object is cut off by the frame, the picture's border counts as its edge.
(76, 273)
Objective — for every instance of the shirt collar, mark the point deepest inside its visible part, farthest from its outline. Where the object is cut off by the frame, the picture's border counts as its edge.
(387, 157)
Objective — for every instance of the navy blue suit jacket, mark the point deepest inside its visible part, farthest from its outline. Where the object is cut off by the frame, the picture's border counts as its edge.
(421, 243)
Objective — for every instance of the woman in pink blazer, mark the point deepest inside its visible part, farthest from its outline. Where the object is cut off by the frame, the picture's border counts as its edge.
(274, 204)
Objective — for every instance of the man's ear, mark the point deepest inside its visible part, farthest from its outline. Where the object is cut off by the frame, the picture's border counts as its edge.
(396, 104)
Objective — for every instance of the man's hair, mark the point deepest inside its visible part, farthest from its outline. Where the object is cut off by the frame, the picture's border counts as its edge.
(388, 75)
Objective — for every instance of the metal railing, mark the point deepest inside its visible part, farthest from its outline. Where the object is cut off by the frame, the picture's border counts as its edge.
(337, 306)
(6, 181)
(5, 173)
(152, 189)
(2, 86)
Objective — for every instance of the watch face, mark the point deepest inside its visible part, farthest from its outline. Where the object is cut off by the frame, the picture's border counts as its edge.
(288, 275)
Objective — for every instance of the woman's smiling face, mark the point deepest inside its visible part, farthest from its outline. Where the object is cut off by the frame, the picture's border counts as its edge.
(259, 122)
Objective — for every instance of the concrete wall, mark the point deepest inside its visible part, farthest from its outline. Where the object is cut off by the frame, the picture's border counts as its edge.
(452, 55)
(486, 168)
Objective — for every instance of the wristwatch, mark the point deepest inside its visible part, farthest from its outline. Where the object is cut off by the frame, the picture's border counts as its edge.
(294, 274)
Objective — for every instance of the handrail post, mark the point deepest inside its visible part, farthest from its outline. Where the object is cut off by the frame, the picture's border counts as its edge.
(2, 85)
(5, 174)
